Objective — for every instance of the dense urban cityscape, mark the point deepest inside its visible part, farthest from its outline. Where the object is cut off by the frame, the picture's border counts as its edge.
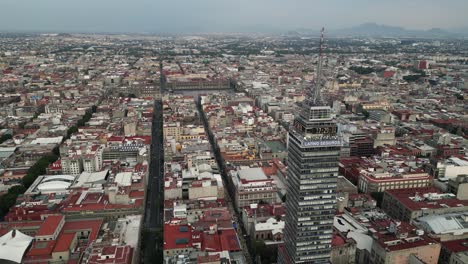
(233, 148)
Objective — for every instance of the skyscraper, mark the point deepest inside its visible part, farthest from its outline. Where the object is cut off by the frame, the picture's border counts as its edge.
(313, 151)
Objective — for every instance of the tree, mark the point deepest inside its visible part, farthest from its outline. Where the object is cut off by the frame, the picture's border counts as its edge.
(56, 151)
(365, 113)
(6, 201)
(259, 247)
(39, 168)
(70, 132)
(17, 189)
(5, 137)
(9, 199)
(411, 78)
(362, 70)
(267, 254)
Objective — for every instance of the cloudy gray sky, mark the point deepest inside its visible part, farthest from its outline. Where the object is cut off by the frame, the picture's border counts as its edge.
(225, 15)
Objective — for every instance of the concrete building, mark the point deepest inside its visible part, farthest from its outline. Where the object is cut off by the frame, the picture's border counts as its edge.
(409, 204)
(172, 130)
(361, 145)
(450, 250)
(172, 188)
(452, 167)
(445, 227)
(384, 136)
(252, 186)
(204, 189)
(343, 250)
(370, 182)
(459, 186)
(270, 230)
(459, 258)
(45, 184)
(378, 174)
(400, 251)
(313, 152)
(80, 158)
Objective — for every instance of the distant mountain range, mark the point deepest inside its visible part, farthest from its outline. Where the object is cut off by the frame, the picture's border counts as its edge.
(376, 30)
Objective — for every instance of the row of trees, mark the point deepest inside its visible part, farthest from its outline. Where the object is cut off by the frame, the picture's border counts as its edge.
(8, 200)
(362, 70)
(39, 168)
(82, 122)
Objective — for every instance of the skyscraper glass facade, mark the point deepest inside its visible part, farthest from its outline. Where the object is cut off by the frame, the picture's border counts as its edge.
(313, 152)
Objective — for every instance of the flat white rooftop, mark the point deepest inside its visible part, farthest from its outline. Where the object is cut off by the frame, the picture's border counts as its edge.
(91, 178)
(123, 178)
(45, 141)
(252, 174)
(13, 245)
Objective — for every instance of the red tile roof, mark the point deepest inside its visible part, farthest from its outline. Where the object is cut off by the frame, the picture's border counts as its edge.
(177, 236)
(420, 243)
(95, 203)
(57, 165)
(221, 240)
(50, 225)
(90, 224)
(456, 246)
(337, 240)
(211, 243)
(208, 259)
(229, 240)
(41, 249)
(136, 193)
(403, 196)
(64, 242)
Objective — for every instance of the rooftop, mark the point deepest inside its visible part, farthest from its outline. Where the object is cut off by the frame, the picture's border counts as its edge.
(456, 223)
(177, 236)
(222, 240)
(430, 198)
(90, 178)
(112, 254)
(13, 245)
(49, 226)
(252, 174)
(459, 245)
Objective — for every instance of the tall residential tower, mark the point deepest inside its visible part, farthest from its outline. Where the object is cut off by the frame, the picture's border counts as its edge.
(313, 152)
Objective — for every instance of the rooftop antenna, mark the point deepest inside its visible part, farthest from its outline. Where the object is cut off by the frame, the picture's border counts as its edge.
(318, 83)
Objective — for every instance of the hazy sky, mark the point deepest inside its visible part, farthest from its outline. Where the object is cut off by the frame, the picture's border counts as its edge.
(225, 15)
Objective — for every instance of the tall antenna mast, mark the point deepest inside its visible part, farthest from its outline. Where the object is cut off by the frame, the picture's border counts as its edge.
(318, 82)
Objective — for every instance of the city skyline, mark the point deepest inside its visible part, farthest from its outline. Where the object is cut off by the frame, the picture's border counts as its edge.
(217, 132)
(212, 16)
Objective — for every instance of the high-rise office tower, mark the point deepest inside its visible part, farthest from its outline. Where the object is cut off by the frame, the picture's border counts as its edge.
(313, 151)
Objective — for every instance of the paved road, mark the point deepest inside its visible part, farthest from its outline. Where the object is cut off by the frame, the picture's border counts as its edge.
(229, 189)
(151, 243)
